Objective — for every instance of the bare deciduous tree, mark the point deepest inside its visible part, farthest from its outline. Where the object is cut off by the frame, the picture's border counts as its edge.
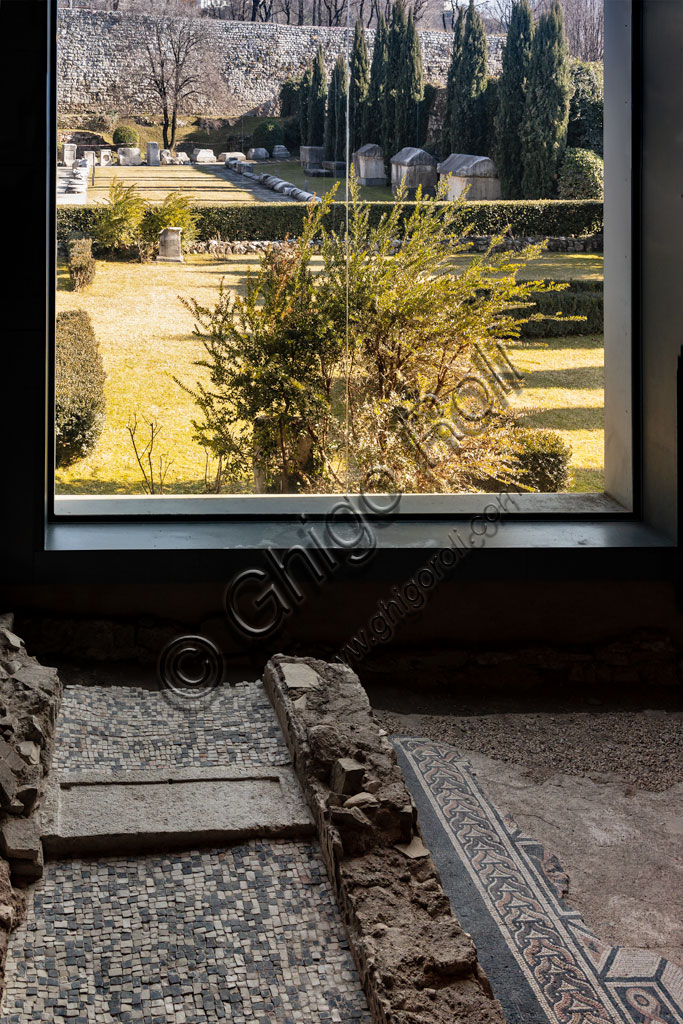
(172, 47)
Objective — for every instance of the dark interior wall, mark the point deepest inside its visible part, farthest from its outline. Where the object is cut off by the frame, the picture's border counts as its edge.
(536, 598)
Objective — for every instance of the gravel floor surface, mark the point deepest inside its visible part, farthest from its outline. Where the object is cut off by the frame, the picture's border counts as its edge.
(643, 748)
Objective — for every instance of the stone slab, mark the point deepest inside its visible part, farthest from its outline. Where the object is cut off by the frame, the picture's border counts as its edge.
(91, 814)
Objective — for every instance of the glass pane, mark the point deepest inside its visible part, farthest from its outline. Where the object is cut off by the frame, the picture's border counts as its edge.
(254, 298)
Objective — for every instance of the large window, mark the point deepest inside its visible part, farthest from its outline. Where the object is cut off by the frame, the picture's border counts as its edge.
(301, 253)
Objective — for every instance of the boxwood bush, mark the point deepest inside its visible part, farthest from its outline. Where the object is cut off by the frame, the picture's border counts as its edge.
(126, 135)
(80, 262)
(582, 175)
(79, 387)
(268, 134)
(270, 221)
(544, 456)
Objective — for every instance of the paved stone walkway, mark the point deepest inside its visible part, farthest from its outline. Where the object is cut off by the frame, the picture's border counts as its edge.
(248, 934)
(129, 727)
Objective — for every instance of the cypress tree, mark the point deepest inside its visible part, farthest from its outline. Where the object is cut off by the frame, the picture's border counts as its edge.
(470, 133)
(453, 97)
(546, 111)
(317, 99)
(359, 87)
(304, 94)
(512, 90)
(372, 124)
(394, 76)
(410, 89)
(335, 120)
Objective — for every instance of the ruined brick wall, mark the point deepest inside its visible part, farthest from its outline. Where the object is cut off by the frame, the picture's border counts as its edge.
(243, 63)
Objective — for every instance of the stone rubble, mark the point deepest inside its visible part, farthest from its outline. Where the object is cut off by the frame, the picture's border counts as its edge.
(30, 695)
(415, 961)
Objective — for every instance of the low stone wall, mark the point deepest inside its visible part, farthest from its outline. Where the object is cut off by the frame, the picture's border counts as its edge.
(30, 695)
(415, 961)
(99, 60)
(480, 243)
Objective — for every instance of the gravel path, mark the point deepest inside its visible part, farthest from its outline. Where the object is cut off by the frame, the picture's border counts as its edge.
(643, 748)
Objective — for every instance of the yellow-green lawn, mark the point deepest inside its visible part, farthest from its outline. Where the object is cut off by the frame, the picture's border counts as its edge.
(206, 185)
(145, 336)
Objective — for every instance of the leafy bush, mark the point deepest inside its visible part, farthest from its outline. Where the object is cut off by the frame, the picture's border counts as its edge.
(176, 212)
(79, 387)
(582, 175)
(126, 135)
(418, 332)
(117, 226)
(586, 107)
(80, 262)
(270, 221)
(582, 298)
(544, 459)
(267, 134)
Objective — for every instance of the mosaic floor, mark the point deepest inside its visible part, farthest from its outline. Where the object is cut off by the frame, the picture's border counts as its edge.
(543, 963)
(250, 934)
(131, 728)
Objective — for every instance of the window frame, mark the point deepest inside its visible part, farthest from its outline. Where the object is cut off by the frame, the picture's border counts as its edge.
(185, 545)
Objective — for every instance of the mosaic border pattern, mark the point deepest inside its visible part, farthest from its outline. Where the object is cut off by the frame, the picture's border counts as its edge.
(575, 976)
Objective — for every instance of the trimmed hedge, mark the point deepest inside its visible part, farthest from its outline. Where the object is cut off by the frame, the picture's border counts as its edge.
(582, 175)
(544, 457)
(270, 221)
(126, 135)
(80, 262)
(582, 298)
(79, 387)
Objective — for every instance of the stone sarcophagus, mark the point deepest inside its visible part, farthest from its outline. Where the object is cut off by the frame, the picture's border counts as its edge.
(368, 163)
(416, 168)
(477, 174)
(129, 156)
(311, 156)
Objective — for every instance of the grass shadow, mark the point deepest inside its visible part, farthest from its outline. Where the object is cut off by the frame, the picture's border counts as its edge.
(566, 419)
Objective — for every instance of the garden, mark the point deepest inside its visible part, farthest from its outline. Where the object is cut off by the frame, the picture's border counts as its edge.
(346, 340)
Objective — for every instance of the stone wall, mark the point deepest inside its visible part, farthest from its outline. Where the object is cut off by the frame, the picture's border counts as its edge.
(415, 961)
(99, 62)
(30, 695)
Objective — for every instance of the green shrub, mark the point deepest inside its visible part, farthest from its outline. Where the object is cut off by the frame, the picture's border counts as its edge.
(582, 175)
(126, 135)
(175, 211)
(79, 388)
(80, 262)
(119, 218)
(544, 456)
(582, 298)
(270, 221)
(267, 134)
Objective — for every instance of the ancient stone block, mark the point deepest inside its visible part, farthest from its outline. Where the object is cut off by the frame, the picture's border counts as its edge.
(368, 163)
(69, 151)
(416, 168)
(129, 156)
(203, 156)
(477, 174)
(20, 839)
(170, 247)
(347, 776)
(311, 156)
(258, 153)
(152, 154)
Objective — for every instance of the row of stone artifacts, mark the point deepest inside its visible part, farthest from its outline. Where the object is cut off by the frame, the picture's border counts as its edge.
(411, 165)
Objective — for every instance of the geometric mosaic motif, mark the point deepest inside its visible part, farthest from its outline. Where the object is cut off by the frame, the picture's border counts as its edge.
(543, 963)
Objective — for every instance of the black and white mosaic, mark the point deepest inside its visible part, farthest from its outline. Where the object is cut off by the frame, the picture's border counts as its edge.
(250, 935)
(130, 728)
